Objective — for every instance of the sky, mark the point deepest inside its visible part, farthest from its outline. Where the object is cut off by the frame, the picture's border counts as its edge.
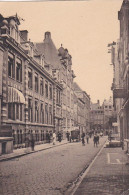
(83, 27)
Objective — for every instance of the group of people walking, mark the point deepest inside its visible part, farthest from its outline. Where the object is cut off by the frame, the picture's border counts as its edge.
(87, 136)
(83, 138)
(54, 137)
(50, 138)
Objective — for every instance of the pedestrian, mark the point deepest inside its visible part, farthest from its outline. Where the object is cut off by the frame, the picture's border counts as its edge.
(49, 137)
(32, 144)
(54, 138)
(26, 142)
(90, 134)
(95, 140)
(83, 139)
(59, 136)
(87, 138)
(67, 135)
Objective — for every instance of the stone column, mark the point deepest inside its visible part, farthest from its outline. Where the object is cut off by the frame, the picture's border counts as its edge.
(26, 94)
(54, 107)
(4, 85)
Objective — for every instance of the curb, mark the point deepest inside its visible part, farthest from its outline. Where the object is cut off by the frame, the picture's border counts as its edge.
(20, 155)
(76, 183)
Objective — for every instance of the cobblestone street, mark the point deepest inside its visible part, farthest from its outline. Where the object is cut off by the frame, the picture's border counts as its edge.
(46, 172)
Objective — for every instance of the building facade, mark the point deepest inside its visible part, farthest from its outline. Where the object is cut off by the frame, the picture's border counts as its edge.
(96, 116)
(30, 96)
(102, 116)
(109, 114)
(121, 75)
(60, 62)
(37, 93)
(82, 106)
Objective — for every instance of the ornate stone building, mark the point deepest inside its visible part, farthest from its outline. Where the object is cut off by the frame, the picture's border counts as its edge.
(60, 62)
(29, 93)
(36, 87)
(96, 116)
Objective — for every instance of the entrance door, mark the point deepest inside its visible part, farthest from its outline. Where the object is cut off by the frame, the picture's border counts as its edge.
(3, 147)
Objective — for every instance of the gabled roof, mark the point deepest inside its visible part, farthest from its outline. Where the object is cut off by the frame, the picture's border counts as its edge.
(48, 49)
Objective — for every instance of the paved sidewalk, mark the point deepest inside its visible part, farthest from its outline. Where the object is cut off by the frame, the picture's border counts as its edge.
(25, 151)
(108, 175)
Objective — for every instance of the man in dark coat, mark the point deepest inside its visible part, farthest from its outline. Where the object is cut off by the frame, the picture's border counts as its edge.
(95, 139)
(59, 136)
(67, 135)
(32, 144)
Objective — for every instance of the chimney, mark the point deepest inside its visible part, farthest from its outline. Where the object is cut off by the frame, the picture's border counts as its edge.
(24, 34)
(47, 35)
(98, 101)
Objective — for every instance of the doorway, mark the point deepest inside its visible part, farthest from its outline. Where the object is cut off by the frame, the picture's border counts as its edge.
(4, 148)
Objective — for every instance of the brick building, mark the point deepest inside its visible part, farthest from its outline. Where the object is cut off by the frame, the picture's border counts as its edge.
(28, 92)
(60, 62)
(36, 87)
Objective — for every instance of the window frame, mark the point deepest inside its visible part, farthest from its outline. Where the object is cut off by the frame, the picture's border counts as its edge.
(46, 89)
(11, 66)
(30, 79)
(19, 68)
(41, 86)
(36, 82)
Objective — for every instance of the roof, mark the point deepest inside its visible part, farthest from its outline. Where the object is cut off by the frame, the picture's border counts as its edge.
(76, 87)
(48, 49)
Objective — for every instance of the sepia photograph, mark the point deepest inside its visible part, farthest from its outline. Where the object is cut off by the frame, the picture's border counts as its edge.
(64, 97)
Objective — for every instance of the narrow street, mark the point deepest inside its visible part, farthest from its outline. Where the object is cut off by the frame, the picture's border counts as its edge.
(46, 172)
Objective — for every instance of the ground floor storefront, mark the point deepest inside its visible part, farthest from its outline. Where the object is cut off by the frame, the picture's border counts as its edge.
(124, 126)
(23, 134)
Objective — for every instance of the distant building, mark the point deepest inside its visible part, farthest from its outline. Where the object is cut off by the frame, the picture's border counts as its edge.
(96, 116)
(109, 114)
(82, 104)
(102, 116)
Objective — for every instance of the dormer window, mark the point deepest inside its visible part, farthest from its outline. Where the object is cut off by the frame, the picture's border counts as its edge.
(4, 30)
(13, 30)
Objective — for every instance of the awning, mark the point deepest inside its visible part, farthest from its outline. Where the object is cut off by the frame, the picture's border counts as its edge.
(14, 95)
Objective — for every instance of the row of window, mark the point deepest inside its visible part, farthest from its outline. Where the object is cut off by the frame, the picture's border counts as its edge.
(97, 112)
(20, 137)
(15, 72)
(39, 84)
(14, 68)
(110, 107)
(43, 114)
